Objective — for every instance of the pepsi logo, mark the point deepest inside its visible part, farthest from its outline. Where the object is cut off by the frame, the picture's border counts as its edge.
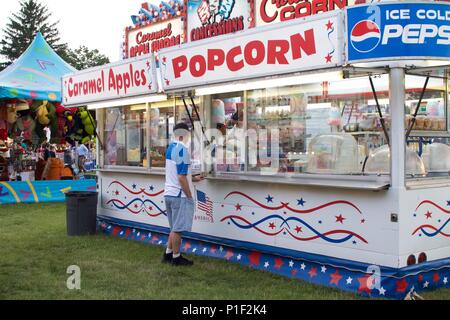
(365, 36)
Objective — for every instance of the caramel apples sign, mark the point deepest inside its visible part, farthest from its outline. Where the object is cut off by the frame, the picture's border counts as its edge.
(129, 78)
(254, 53)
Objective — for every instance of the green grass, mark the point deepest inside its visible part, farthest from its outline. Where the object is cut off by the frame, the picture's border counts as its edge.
(35, 254)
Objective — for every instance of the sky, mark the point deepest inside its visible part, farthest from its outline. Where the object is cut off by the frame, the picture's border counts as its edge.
(97, 24)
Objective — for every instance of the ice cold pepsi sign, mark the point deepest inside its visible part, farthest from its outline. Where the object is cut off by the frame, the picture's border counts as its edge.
(383, 31)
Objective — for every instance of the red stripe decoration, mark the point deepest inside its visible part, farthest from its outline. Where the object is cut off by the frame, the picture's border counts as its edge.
(286, 205)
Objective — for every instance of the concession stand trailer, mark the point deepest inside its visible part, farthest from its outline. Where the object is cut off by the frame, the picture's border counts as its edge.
(332, 163)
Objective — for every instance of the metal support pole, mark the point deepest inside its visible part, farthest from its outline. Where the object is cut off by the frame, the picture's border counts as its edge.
(383, 123)
(398, 143)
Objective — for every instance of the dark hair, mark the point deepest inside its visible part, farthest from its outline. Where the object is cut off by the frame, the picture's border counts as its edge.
(181, 126)
(235, 116)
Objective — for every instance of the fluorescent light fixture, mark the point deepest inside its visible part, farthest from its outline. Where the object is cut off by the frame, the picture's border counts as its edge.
(127, 102)
(358, 85)
(380, 101)
(270, 83)
(318, 106)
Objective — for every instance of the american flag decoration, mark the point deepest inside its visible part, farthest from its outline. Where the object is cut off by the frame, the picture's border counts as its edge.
(205, 205)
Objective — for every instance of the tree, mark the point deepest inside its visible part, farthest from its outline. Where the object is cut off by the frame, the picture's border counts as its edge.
(22, 27)
(83, 58)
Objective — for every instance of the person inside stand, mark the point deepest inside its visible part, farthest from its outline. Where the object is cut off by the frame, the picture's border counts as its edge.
(235, 138)
(178, 194)
(82, 156)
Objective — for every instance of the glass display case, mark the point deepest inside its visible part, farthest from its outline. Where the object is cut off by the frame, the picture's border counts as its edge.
(309, 128)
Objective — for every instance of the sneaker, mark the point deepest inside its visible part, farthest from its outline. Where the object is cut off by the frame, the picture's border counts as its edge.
(167, 258)
(182, 261)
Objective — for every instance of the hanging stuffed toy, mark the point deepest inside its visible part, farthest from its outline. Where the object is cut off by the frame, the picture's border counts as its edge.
(26, 126)
(53, 123)
(88, 123)
(3, 123)
(39, 109)
(11, 113)
(70, 129)
(61, 123)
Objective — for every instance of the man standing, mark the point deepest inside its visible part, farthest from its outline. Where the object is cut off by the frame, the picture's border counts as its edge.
(178, 194)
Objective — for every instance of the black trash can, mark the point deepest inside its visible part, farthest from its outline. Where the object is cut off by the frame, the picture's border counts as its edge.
(81, 213)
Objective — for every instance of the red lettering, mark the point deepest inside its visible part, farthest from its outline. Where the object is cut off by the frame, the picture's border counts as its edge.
(319, 6)
(287, 13)
(277, 50)
(201, 63)
(216, 57)
(306, 13)
(126, 82)
(144, 78)
(179, 65)
(231, 62)
(264, 16)
(119, 83)
(307, 44)
(251, 47)
(111, 81)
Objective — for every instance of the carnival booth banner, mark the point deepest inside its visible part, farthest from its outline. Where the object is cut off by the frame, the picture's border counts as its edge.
(123, 79)
(294, 46)
(398, 30)
(274, 11)
(207, 19)
(42, 191)
(153, 37)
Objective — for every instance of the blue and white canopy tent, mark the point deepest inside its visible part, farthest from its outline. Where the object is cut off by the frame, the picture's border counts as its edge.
(36, 75)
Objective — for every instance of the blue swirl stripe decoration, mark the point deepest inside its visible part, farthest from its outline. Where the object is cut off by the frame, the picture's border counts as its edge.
(247, 225)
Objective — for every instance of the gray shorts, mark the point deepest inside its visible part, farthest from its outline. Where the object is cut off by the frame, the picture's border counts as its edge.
(180, 212)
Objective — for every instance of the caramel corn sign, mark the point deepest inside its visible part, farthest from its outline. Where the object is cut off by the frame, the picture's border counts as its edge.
(254, 53)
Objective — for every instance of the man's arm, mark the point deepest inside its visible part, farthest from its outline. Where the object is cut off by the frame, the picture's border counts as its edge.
(185, 185)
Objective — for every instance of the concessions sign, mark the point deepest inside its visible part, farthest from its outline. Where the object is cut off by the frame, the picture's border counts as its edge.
(125, 79)
(211, 18)
(273, 11)
(291, 47)
(154, 37)
(398, 30)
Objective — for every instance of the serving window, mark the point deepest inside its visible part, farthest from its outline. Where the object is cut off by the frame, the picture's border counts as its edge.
(125, 131)
(329, 128)
(427, 124)
(138, 136)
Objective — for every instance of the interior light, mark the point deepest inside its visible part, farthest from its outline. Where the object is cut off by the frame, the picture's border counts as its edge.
(270, 83)
(127, 102)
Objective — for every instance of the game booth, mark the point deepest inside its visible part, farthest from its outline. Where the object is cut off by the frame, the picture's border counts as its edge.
(332, 164)
(30, 96)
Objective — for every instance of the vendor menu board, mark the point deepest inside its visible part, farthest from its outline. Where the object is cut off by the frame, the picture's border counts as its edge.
(124, 79)
(287, 48)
